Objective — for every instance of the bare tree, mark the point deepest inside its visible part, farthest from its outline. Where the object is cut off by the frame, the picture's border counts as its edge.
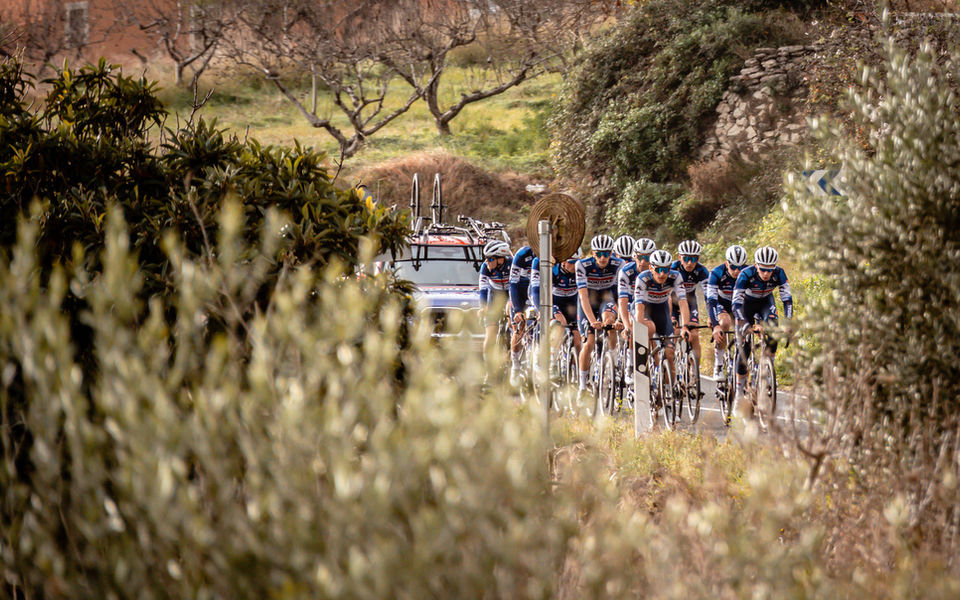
(522, 39)
(332, 43)
(188, 31)
(39, 31)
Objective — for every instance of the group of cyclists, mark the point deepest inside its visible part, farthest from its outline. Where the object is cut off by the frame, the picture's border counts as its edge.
(631, 278)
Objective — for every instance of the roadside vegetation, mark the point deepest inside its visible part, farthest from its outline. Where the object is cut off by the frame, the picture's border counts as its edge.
(199, 398)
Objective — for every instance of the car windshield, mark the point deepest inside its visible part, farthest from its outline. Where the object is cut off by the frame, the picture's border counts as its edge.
(443, 265)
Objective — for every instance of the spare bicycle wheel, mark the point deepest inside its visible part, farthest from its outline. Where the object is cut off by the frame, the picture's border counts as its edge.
(568, 219)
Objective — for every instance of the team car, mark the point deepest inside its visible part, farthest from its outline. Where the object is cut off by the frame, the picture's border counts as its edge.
(443, 262)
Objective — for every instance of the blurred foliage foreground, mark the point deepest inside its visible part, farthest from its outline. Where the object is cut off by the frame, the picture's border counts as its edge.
(310, 447)
(193, 466)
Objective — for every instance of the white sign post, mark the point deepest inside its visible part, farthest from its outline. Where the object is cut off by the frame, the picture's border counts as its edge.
(641, 378)
(546, 312)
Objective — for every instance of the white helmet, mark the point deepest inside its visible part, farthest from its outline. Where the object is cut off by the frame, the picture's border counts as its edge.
(644, 246)
(496, 248)
(689, 248)
(736, 255)
(624, 245)
(576, 255)
(766, 256)
(600, 243)
(661, 258)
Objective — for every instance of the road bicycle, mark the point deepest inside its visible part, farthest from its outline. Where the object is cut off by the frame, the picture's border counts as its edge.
(602, 372)
(688, 379)
(761, 384)
(529, 342)
(664, 397)
(567, 358)
(609, 383)
(725, 375)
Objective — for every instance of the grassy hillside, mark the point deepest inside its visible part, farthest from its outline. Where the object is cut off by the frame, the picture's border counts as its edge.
(506, 131)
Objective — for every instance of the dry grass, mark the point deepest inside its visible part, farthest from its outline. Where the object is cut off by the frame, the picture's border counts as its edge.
(840, 534)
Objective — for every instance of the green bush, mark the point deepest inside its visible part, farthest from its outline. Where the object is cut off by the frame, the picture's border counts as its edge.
(97, 140)
(641, 100)
(645, 210)
(890, 327)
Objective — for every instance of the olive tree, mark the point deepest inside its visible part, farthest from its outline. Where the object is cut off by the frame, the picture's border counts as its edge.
(890, 252)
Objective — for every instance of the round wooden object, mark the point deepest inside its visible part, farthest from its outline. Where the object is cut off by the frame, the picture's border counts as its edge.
(568, 217)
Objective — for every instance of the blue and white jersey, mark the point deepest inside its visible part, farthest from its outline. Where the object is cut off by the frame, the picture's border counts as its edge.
(520, 276)
(698, 275)
(626, 277)
(648, 291)
(496, 280)
(719, 288)
(564, 283)
(750, 287)
(600, 281)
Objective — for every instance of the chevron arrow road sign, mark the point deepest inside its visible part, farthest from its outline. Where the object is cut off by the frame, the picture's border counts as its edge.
(823, 182)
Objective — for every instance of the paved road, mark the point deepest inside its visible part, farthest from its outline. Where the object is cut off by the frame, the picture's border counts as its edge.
(711, 420)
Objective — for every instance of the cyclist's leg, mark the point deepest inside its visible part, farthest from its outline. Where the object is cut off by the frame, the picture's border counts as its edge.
(557, 323)
(586, 348)
(768, 315)
(569, 310)
(491, 320)
(751, 310)
(608, 313)
(694, 320)
(719, 350)
(661, 317)
(725, 318)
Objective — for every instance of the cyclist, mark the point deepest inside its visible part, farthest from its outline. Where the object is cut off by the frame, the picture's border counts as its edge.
(597, 291)
(519, 288)
(564, 282)
(753, 303)
(494, 283)
(651, 295)
(627, 276)
(720, 297)
(692, 273)
(623, 247)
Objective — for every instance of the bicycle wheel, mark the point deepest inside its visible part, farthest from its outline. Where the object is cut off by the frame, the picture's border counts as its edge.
(665, 391)
(607, 384)
(655, 401)
(725, 388)
(680, 383)
(691, 386)
(766, 393)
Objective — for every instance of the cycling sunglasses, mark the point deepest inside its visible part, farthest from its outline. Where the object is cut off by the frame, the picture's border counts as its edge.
(662, 269)
(767, 270)
(644, 256)
(491, 258)
(690, 258)
(737, 267)
(603, 253)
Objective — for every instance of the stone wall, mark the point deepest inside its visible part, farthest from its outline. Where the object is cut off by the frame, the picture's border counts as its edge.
(760, 110)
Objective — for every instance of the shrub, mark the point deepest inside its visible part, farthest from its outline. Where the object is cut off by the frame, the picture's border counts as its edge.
(640, 101)
(645, 210)
(97, 140)
(888, 377)
(187, 466)
(717, 179)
